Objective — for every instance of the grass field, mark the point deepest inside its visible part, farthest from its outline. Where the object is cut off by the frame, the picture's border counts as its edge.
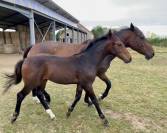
(136, 103)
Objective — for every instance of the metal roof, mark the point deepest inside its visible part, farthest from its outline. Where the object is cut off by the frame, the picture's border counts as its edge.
(46, 8)
(52, 5)
(10, 19)
(44, 12)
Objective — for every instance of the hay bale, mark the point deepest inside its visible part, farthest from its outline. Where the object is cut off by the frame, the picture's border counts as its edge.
(28, 37)
(21, 28)
(15, 40)
(1, 38)
(37, 37)
(1, 49)
(8, 38)
(1, 42)
(23, 39)
(9, 49)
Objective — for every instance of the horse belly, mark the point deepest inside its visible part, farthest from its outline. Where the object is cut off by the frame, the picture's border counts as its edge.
(63, 77)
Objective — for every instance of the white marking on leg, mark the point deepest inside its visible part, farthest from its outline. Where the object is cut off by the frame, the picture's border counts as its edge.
(36, 99)
(100, 95)
(51, 114)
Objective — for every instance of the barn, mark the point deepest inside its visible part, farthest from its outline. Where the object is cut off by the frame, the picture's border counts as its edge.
(26, 22)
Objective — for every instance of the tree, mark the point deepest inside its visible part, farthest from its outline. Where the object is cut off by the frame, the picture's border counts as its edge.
(99, 31)
(59, 33)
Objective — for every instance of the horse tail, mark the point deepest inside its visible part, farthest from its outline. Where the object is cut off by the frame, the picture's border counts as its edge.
(26, 51)
(14, 78)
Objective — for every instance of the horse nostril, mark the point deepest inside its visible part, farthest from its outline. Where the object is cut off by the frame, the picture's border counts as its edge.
(153, 54)
(130, 59)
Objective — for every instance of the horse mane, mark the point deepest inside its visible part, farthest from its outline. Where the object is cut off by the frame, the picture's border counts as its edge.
(93, 42)
(104, 37)
(123, 28)
(87, 41)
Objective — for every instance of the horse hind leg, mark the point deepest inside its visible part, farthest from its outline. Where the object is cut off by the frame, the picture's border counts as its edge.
(47, 96)
(20, 97)
(44, 102)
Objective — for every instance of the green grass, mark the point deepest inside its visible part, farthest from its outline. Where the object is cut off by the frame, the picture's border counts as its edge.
(136, 103)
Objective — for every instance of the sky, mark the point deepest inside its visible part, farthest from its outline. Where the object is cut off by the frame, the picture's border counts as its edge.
(149, 15)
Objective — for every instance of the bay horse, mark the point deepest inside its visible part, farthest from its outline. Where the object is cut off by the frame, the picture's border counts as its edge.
(132, 37)
(80, 69)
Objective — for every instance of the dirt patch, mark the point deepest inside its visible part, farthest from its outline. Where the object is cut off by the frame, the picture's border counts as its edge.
(137, 122)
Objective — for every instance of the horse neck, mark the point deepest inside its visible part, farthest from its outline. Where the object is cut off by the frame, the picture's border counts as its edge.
(96, 54)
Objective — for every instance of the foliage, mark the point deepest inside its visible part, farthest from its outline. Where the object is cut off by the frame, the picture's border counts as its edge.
(155, 40)
(158, 41)
(98, 31)
(59, 33)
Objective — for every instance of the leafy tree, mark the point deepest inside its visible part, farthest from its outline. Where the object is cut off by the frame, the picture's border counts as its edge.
(99, 31)
(59, 33)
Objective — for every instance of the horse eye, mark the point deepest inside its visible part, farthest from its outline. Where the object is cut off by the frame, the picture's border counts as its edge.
(142, 37)
(119, 44)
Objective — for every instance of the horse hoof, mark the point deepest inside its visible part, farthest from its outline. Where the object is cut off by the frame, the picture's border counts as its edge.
(53, 117)
(68, 114)
(14, 117)
(105, 123)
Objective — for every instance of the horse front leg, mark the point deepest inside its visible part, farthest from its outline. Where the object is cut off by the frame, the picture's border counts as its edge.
(86, 99)
(34, 96)
(108, 86)
(77, 98)
(90, 92)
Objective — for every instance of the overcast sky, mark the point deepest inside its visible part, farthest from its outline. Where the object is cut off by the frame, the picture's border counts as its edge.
(151, 15)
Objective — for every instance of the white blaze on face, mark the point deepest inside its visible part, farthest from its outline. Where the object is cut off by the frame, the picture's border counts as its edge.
(51, 114)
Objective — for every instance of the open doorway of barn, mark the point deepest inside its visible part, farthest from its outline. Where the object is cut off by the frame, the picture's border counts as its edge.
(15, 31)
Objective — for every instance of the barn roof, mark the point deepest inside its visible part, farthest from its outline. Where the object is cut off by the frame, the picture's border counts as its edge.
(46, 8)
(52, 5)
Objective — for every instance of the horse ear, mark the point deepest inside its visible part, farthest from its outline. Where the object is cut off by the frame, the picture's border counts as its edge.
(132, 27)
(109, 33)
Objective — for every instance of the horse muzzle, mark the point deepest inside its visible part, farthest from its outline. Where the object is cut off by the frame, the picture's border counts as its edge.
(150, 56)
(128, 60)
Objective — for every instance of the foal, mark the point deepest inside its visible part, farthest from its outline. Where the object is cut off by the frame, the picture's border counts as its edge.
(80, 69)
